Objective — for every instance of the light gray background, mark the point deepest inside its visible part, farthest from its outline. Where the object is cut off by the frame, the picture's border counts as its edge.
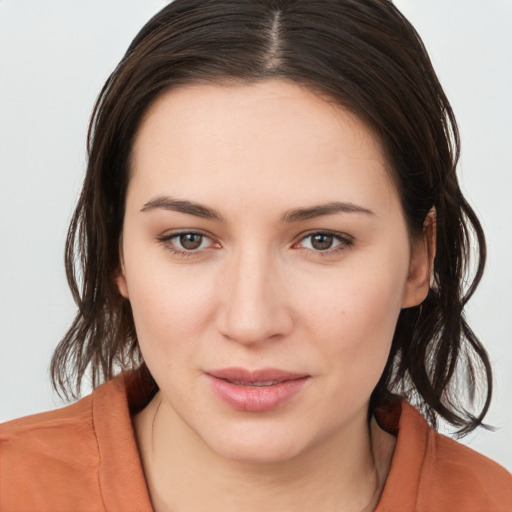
(55, 56)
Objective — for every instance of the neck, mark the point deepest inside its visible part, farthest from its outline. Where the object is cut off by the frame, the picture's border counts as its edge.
(344, 472)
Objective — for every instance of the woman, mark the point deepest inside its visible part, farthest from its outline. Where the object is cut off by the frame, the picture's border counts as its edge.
(273, 246)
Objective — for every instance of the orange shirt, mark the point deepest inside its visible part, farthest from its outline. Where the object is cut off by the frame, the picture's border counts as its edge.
(84, 457)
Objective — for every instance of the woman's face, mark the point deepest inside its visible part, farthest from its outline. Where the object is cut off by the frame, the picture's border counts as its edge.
(266, 258)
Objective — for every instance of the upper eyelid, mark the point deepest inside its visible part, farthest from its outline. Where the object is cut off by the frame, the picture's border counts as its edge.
(173, 234)
(304, 234)
(166, 241)
(345, 237)
(166, 238)
(336, 234)
(345, 241)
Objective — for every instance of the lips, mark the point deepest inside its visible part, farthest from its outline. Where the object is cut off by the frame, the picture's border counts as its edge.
(257, 390)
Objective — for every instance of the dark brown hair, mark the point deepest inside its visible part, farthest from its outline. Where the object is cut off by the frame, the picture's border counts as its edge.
(361, 54)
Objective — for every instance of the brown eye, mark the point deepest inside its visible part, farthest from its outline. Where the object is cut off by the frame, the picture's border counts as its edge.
(325, 242)
(321, 241)
(188, 243)
(191, 241)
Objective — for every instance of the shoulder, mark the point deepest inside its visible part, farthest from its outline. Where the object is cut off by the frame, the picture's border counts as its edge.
(82, 457)
(46, 434)
(468, 477)
(46, 454)
(433, 473)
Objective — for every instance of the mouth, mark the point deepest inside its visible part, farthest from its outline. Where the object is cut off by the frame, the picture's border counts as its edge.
(254, 384)
(257, 390)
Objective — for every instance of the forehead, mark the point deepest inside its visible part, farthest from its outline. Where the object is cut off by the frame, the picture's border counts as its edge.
(273, 137)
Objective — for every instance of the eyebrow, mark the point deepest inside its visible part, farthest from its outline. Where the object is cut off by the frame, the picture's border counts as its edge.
(181, 206)
(299, 214)
(294, 215)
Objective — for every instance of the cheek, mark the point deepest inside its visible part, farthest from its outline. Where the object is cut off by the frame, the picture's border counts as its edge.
(355, 301)
(353, 318)
(171, 306)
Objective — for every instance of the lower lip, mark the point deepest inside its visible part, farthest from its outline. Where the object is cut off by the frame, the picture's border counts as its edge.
(256, 398)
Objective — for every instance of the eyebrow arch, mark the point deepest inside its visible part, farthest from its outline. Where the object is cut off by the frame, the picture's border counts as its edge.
(181, 206)
(299, 214)
(294, 215)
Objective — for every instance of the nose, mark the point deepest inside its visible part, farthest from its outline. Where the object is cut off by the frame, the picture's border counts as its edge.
(253, 303)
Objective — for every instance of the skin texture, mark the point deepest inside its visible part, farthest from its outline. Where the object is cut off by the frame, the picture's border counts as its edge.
(257, 293)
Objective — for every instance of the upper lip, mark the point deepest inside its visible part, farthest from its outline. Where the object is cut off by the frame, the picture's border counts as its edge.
(259, 375)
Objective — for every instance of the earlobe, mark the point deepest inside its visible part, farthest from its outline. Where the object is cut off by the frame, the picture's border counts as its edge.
(121, 285)
(421, 264)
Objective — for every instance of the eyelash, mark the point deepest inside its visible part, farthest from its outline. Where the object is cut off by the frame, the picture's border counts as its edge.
(166, 241)
(345, 241)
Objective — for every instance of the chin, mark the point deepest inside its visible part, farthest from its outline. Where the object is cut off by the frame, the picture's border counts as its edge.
(256, 454)
(257, 445)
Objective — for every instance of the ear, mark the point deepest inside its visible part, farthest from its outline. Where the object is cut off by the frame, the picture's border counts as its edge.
(120, 275)
(421, 264)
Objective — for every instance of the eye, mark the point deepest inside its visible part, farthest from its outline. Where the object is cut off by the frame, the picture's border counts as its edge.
(324, 241)
(187, 242)
(190, 241)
